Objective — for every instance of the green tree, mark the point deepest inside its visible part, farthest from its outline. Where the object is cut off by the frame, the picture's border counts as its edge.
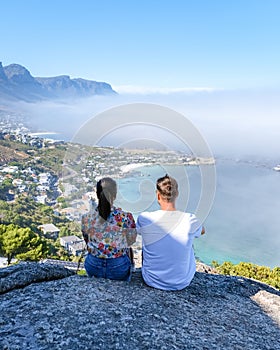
(5, 186)
(64, 231)
(21, 243)
(249, 270)
(62, 202)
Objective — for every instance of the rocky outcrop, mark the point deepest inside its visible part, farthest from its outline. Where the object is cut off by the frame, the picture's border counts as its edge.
(16, 83)
(23, 274)
(214, 312)
(19, 75)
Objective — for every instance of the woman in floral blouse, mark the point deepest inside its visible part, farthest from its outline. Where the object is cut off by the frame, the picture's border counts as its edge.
(108, 232)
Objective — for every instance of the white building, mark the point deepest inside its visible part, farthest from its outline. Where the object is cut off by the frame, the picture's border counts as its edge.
(10, 169)
(44, 178)
(49, 230)
(41, 199)
(73, 244)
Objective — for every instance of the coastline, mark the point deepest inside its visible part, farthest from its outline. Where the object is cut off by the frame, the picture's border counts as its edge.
(214, 246)
(43, 133)
(125, 169)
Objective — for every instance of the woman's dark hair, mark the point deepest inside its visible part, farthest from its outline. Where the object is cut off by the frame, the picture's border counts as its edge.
(106, 190)
(168, 188)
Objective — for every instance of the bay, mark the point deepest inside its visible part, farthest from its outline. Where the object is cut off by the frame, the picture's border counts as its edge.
(244, 220)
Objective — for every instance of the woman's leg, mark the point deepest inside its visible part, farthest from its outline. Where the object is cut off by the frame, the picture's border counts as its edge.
(94, 266)
(119, 268)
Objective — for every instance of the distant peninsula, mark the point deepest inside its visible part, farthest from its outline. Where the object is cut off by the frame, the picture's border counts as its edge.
(17, 84)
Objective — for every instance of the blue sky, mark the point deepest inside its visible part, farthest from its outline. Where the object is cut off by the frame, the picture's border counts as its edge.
(147, 44)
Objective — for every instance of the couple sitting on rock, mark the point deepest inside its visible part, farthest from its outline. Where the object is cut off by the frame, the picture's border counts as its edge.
(167, 237)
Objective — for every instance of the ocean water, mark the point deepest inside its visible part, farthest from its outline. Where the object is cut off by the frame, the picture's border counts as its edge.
(244, 221)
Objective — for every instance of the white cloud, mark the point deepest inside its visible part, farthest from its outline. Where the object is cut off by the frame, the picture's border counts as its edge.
(146, 90)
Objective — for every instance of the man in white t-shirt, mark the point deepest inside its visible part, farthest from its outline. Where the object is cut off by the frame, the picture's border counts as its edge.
(167, 236)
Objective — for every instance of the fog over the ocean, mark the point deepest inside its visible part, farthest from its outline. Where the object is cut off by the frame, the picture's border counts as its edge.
(234, 123)
(243, 222)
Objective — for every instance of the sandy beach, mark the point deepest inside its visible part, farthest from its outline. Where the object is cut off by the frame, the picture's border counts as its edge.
(129, 167)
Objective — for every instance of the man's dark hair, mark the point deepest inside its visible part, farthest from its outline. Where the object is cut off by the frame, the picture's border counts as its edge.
(168, 188)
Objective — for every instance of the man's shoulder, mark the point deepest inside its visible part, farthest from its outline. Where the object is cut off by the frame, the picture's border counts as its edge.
(161, 213)
(189, 215)
(149, 214)
(147, 217)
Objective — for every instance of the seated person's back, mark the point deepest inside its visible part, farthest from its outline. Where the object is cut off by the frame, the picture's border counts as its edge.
(108, 232)
(167, 236)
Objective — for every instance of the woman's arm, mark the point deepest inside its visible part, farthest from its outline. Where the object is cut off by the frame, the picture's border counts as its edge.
(131, 235)
(131, 232)
(85, 235)
(83, 229)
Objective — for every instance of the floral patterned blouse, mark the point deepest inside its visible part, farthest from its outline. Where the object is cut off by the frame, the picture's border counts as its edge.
(109, 239)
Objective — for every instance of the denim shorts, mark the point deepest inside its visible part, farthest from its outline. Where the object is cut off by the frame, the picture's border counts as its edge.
(114, 268)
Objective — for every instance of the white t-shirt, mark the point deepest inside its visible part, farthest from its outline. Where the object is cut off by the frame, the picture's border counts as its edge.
(168, 256)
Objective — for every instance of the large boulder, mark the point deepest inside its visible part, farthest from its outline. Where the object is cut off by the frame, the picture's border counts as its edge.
(214, 312)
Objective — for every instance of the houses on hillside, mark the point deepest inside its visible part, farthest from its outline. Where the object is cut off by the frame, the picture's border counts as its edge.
(49, 230)
(73, 244)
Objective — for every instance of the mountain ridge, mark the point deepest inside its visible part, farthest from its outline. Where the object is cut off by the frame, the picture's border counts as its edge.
(17, 83)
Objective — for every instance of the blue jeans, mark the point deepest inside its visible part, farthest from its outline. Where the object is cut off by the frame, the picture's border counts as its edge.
(114, 268)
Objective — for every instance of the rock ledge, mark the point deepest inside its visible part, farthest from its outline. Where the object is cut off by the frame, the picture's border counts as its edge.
(214, 312)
